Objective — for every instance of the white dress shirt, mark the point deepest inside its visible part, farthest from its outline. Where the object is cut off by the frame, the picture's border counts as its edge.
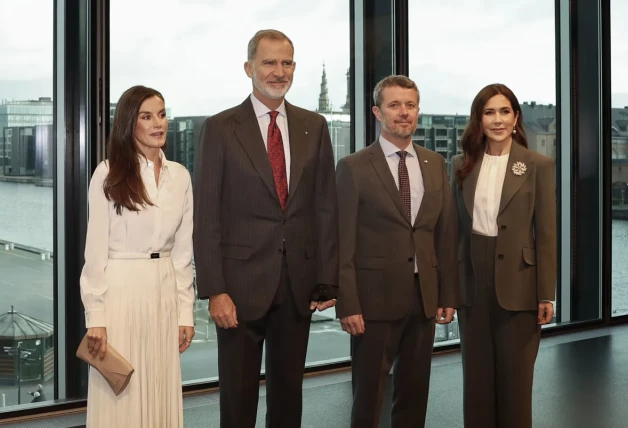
(488, 194)
(164, 227)
(263, 118)
(414, 172)
(417, 189)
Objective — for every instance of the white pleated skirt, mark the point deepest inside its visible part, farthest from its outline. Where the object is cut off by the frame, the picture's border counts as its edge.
(141, 309)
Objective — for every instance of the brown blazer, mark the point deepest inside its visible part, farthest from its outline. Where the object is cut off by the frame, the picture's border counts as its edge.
(378, 244)
(525, 256)
(239, 225)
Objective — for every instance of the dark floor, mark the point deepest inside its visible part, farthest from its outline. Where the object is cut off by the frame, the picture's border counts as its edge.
(581, 381)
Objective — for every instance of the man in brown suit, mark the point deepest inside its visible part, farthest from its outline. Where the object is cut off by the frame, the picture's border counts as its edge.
(398, 276)
(266, 236)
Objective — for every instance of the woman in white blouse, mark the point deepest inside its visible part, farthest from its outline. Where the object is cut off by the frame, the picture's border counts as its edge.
(137, 282)
(507, 259)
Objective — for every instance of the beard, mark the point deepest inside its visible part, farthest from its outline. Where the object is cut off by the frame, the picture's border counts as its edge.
(399, 132)
(269, 91)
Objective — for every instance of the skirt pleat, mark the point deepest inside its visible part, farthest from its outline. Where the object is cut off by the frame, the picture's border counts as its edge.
(141, 309)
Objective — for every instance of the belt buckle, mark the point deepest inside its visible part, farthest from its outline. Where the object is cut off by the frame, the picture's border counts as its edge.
(154, 255)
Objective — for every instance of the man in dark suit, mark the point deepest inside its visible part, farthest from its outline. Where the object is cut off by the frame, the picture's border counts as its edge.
(398, 273)
(266, 236)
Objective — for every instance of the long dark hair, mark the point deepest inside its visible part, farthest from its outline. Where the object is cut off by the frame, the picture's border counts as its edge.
(473, 139)
(124, 185)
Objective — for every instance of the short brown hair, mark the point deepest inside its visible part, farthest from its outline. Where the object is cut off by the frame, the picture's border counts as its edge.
(266, 34)
(394, 80)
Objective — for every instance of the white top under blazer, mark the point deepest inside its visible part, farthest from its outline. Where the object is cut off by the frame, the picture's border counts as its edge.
(488, 194)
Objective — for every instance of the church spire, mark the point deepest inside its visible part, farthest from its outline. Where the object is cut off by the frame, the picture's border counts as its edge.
(347, 107)
(323, 98)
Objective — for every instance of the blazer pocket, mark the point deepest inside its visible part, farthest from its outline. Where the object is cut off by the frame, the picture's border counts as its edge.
(237, 252)
(371, 263)
(529, 256)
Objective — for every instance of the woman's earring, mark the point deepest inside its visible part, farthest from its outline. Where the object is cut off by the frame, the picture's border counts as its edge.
(514, 131)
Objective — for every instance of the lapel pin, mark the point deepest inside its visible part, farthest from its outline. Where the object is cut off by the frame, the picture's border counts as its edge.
(519, 168)
(425, 161)
(305, 132)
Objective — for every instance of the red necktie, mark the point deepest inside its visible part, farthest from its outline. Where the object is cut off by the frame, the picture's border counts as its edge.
(277, 159)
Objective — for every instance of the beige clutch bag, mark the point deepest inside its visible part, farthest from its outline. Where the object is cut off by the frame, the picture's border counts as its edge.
(115, 369)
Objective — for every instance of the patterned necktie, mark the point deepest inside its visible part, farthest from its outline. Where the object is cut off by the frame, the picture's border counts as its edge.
(404, 183)
(277, 159)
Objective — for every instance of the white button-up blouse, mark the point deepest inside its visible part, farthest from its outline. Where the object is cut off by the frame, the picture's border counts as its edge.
(488, 194)
(164, 227)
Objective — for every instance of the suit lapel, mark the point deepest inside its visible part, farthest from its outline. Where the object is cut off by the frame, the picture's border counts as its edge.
(469, 185)
(513, 182)
(383, 172)
(248, 133)
(429, 183)
(298, 133)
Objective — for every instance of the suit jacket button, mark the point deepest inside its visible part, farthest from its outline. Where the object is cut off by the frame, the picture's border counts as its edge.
(280, 250)
(410, 259)
(503, 227)
(500, 257)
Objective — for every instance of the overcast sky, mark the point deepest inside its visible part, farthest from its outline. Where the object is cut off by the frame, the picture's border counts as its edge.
(457, 47)
(193, 50)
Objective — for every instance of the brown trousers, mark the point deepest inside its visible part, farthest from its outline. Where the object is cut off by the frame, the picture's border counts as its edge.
(406, 346)
(285, 333)
(499, 349)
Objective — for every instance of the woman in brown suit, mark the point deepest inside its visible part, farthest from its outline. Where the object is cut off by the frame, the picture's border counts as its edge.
(507, 259)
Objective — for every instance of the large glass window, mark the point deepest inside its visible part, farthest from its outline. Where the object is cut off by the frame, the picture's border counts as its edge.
(619, 154)
(481, 45)
(197, 64)
(27, 141)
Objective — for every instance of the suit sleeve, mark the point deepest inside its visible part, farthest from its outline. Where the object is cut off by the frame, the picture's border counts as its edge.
(348, 203)
(208, 195)
(326, 204)
(446, 243)
(545, 231)
(455, 189)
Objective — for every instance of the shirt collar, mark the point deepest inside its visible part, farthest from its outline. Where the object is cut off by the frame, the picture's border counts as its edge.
(390, 149)
(262, 110)
(145, 163)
